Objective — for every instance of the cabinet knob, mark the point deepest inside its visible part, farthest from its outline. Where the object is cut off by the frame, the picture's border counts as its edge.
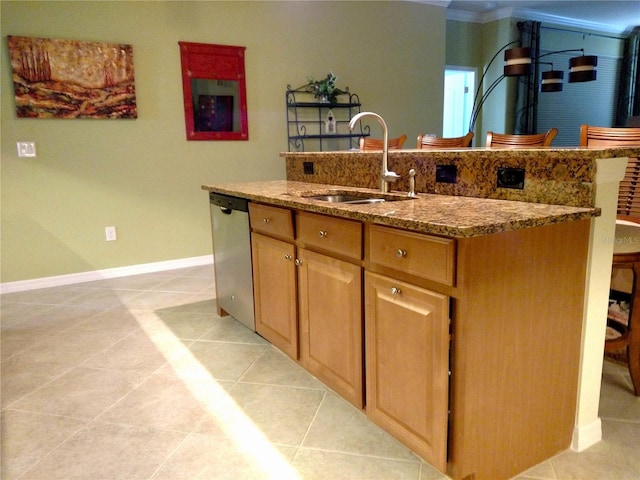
(323, 233)
(298, 262)
(401, 253)
(287, 257)
(395, 291)
(265, 220)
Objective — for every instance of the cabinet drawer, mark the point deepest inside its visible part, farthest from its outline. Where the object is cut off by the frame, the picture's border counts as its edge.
(274, 221)
(331, 234)
(422, 255)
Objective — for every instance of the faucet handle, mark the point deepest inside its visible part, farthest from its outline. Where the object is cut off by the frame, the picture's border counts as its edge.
(412, 183)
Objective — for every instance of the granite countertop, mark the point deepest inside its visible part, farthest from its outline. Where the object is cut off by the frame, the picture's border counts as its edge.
(453, 216)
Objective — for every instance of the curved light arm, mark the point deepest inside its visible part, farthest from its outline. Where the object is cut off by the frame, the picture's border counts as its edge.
(474, 110)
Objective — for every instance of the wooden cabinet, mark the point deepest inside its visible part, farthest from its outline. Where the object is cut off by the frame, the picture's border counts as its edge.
(274, 276)
(274, 287)
(330, 306)
(471, 356)
(309, 303)
(407, 341)
(330, 302)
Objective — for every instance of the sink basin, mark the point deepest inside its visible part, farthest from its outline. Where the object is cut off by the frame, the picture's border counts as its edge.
(353, 198)
(345, 199)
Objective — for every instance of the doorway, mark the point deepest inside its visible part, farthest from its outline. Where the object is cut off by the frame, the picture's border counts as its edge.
(459, 88)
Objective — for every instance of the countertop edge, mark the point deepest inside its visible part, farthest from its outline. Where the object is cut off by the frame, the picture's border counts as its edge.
(431, 214)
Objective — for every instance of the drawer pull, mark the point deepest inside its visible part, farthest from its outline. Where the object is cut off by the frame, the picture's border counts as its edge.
(401, 253)
(395, 291)
(323, 233)
(298, 262)
(287, 257)
(265, 220)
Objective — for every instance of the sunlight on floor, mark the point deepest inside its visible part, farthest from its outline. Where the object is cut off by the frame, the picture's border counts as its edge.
(267, 461)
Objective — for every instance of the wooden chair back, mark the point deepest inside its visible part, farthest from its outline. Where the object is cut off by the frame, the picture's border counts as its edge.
(609, 137)
(368, 143)
(629, 192)
(425, 141)
(501, 140)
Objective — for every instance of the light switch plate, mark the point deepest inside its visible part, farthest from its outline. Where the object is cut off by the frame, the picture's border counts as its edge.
(26, 149)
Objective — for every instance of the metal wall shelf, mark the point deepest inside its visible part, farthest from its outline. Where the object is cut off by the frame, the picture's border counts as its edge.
(306, 121)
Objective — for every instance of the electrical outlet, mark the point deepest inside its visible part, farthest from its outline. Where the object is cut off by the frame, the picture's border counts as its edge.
(26, 149)
(511, 178)
(446, 173)
(110, 233)
(307, 168)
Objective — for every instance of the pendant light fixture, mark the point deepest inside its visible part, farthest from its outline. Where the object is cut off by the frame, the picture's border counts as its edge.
(583, 68)
(519, 62)
(552, 81)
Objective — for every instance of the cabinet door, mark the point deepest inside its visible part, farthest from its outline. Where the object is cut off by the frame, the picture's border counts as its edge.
(274, 284)
(330, 300)
(407, 364)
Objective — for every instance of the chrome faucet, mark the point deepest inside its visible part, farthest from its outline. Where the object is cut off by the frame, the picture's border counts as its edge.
(386, 176)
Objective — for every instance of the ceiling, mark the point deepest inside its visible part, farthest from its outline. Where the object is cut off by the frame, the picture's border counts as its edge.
(614, 16)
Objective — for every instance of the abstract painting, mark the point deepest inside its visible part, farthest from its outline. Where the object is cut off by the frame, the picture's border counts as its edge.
(72, 79)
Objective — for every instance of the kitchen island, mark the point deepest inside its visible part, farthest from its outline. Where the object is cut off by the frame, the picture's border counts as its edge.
(454, 322)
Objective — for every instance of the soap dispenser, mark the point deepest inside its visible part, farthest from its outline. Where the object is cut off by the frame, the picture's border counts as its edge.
(330, 123)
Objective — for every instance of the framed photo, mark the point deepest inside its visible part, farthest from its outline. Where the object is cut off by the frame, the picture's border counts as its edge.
(72, 79)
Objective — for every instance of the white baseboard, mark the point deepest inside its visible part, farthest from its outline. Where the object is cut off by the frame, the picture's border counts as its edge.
(23, 285)
(585, 437)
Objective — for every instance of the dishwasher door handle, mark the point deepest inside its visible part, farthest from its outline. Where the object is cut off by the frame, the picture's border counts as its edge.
(226, 211)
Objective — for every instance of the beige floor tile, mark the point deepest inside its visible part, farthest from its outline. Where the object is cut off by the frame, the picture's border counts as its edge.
(250, 405)
(162, 402)
(154, 300)
(221, 361)
(202, 457)
(105, 299)
(19, 377)
(45, 296)
(322, 465)
(617, 402)
(186, 284)
(12, 313)
(615, 457)
(228, 329)
(543, 471)
(145, 281)
(427, 472)
(199, 303)
(15, 341)
(275, 368)
(223, 418)
(136, 352)
(358, 435)
(107, 451)
(28, 437)
(282, 414)
(57, 318)
(75, 345)
(188, 325)
(81, 393)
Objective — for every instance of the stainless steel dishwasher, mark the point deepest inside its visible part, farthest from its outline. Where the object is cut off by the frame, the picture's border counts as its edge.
(232, 256)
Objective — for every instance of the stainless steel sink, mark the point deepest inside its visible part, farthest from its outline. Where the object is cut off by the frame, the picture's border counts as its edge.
(352, 199)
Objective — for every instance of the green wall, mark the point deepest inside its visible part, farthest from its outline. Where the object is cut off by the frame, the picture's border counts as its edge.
(142, 176)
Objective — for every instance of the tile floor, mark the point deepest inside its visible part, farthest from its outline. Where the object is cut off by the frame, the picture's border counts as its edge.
(138, 378)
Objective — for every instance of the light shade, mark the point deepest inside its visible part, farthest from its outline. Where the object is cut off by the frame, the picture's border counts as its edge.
(583, 69)
(552, 81)
(517, 62)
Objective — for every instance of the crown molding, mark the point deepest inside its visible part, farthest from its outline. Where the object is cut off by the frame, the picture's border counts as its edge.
(524, 13)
